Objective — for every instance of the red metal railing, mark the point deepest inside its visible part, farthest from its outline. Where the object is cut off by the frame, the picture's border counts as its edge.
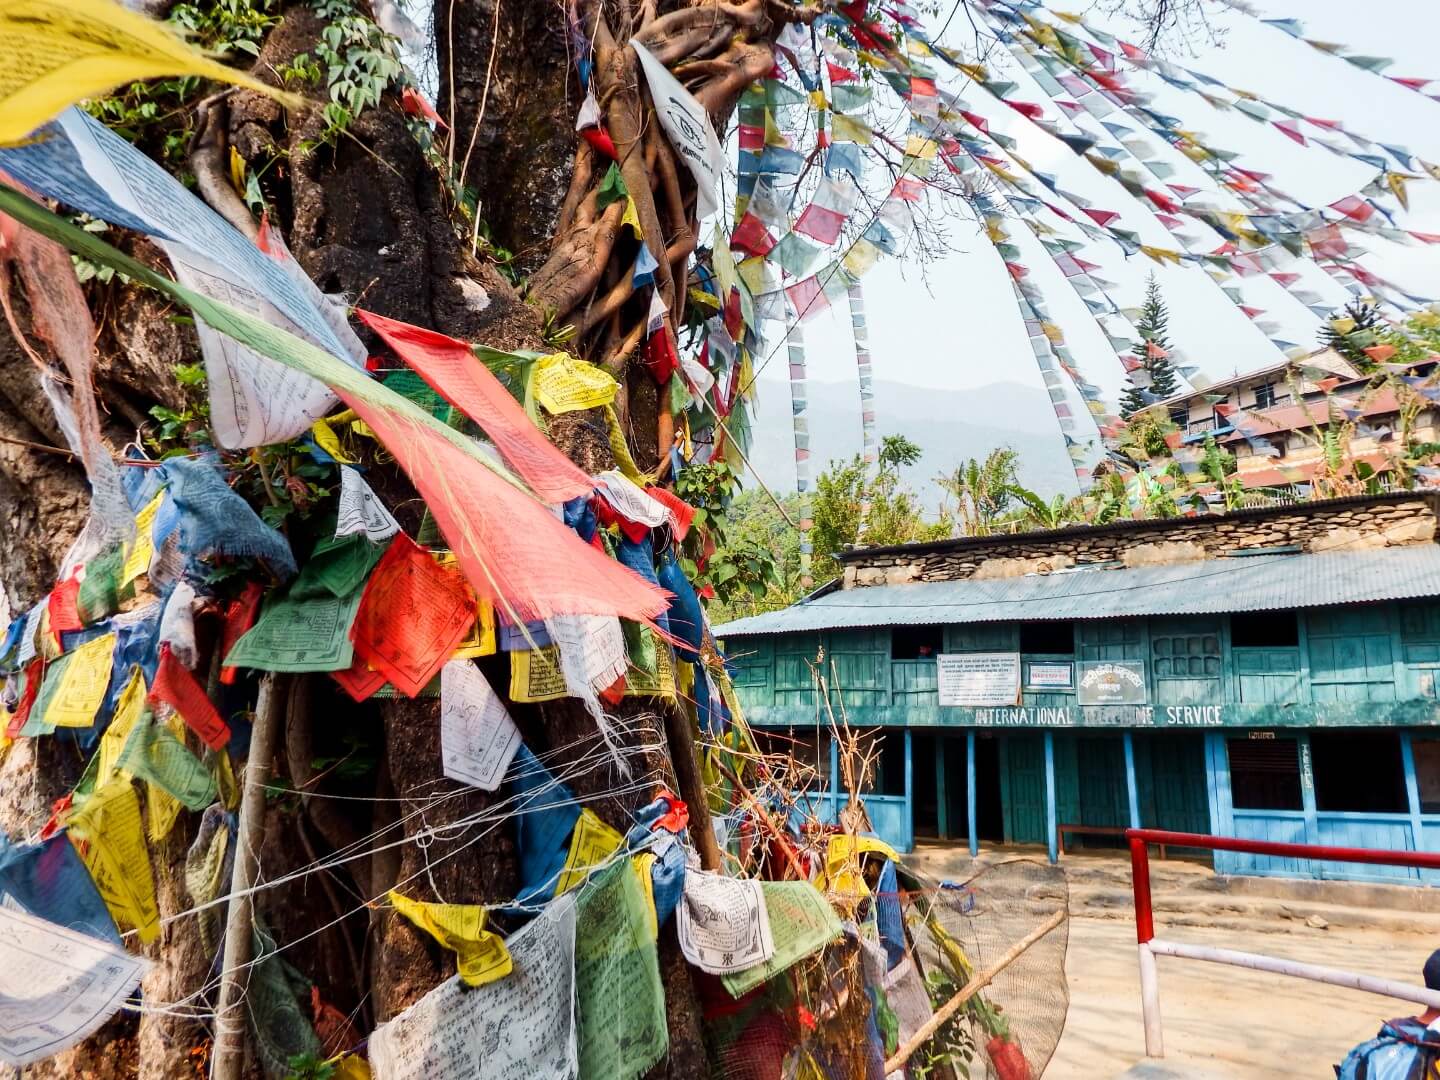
(1150, 946)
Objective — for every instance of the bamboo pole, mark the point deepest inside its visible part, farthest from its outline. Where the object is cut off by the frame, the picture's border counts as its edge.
(681, 737)
(228, 1055)
(969, 990)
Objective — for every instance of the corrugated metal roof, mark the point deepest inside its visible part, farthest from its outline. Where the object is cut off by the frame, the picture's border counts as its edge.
(1211, 587)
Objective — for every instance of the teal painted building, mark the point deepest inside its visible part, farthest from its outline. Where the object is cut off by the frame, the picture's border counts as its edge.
(1267, 674)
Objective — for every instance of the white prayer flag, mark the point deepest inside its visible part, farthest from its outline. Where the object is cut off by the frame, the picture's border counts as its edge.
(688, 127)
(477, 737)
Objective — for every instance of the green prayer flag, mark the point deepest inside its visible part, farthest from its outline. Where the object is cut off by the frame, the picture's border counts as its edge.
(337, 567)
(101, 592)
(801, 922)
(153, 753)
(620, 1000)
(612, 188)
(849, 97)
(300, 634)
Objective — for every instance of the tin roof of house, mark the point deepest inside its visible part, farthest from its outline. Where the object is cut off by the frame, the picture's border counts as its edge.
(1257, 582)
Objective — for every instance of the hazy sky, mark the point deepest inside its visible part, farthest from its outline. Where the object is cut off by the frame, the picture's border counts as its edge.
(953, 323)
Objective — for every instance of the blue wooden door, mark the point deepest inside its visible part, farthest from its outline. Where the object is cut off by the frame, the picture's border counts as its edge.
(1025, 811)
(1172, 790)
(1103, 797)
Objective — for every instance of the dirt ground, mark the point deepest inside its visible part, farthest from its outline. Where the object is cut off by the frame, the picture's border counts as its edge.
(1226, 1021)
(1221, 1021)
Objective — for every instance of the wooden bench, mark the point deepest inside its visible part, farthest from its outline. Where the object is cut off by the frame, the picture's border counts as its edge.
(1094, 830)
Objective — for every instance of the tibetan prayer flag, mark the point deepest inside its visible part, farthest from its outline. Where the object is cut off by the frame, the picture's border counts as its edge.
(562, 383)
(359, 680)
(820, 224)
(688, 127)
(451, 369)
(59, 52)
(480, 955)
(178, 688)
(846, 129)
(413, 614)
(76, 685)
(108, 836)
(591, 845)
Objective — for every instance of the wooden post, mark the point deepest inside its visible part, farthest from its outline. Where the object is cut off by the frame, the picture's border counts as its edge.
(969, 990)
(228, 1054)
(1150, 1002)
(1052, 824)
(681, 737)
(1132, 788)
(970, 800)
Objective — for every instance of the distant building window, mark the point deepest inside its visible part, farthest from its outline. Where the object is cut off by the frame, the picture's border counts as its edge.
(1265, 395)
(885, 752)
(916, 642)
(1048, 638)
(1180, 415)
(1264, 630)
(1264, 773)
(1358, 771)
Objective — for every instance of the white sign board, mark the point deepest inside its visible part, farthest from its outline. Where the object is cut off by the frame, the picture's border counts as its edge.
(1048, 674)
(979, 678)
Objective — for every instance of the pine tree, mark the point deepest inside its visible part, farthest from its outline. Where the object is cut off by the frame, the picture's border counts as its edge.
(1152, 327)
(1351, 344)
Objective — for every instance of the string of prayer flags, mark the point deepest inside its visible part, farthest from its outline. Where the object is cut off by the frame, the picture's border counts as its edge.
(480, 955)
(451, 369)
(64, 52)
(413, 614)
(520, 1026)
(107, 834)
(721, 923)
(619, 996)
(176, 687)
(478, 739)
(591, 846)
(360, 509)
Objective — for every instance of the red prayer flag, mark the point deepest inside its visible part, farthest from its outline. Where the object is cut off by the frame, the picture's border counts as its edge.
(1380, 353)
(1100, 217)
(64, 607)
(359, 680)
(240, 616)
(414, 104)
(682, 514)
(34, 675)
(412, 617)
(453, 372)
(178, 688)
(600, 141)
(820, 224)
(752, 237)
(839, 74)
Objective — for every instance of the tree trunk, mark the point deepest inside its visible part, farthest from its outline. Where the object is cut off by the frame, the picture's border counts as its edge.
(370, 218)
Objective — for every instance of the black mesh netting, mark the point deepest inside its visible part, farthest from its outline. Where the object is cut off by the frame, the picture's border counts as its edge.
(841, 1012)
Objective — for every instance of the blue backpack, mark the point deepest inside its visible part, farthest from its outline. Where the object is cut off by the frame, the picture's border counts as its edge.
(1404, 1050)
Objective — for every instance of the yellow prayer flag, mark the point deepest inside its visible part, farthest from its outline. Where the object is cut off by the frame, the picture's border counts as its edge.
(817, 100)
(479, 640)
(535, 675)
(480, 955)
(847, 129)
(920, 147)
(861, 257)
(59, 52)
(563, 383)
(351, 1067)
(325, 438)
(752, 273)
(128, 711)
(107, 834)
(83, 684)
(773, 135)
(842, 859)
(619, 450)
(162, 808)
(642, 865)
(137, 560)
(631, 217)
(591, 844)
